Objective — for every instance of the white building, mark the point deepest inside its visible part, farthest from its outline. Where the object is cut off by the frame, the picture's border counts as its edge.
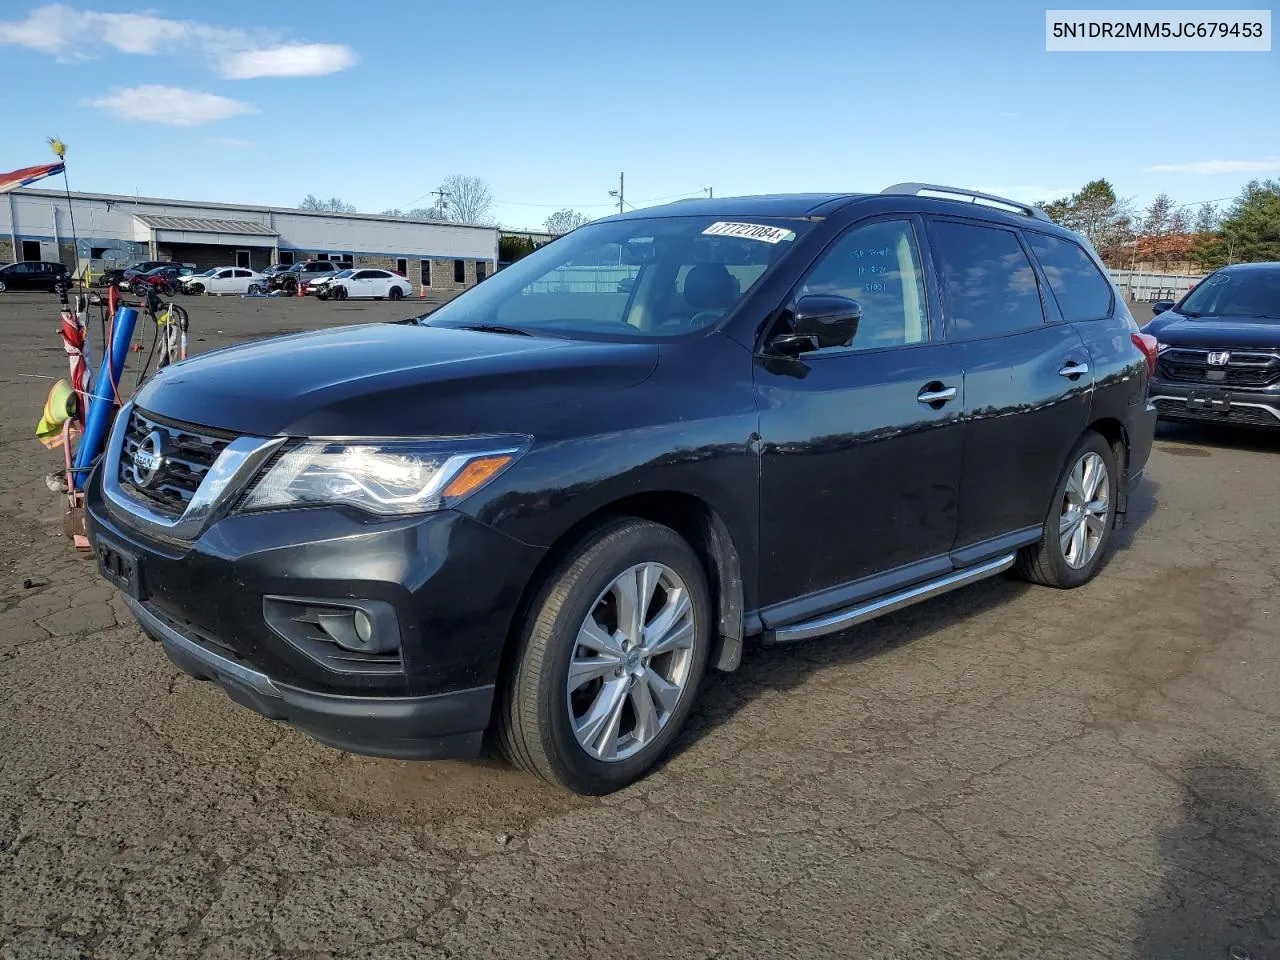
(114, 231)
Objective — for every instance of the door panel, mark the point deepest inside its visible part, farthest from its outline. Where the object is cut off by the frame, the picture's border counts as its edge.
(858, 475)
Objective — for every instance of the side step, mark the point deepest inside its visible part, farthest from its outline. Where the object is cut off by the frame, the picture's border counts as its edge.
(842, 619)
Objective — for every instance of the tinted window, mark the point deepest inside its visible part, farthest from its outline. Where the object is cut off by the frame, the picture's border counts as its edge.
(1081, 291)
(879, 266)
(1252, 292)
(243, 273)
(365, 275)
(988, 286)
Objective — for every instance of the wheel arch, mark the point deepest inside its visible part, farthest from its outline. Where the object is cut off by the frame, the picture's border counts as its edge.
(1113, 431)
(703, 529)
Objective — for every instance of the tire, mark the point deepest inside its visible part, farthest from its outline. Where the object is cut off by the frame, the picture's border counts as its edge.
(338, 292)
(1049, 562)
(290, 288)
(255, 289)
(170, 289)
(195, 288)
(395, 294)
(2, 287)
(538, 712)
(322, 293)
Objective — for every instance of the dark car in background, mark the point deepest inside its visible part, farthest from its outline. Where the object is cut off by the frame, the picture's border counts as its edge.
(113, 276)
(33, 275)
(1219, 349)
(165, 279)
(300, 274)
(539, 514)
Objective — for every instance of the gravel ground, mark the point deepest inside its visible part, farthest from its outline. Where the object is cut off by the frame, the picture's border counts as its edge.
(1005, 771)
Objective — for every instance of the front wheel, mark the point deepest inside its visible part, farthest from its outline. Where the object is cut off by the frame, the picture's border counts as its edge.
(338, 293)
(195, 288)
(255, 290)
(610, 660)
(1081, 518)
(2, 287)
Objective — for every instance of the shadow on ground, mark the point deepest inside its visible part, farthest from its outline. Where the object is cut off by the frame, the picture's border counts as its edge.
(1218, 896)
(1177, 437)
(789, 666)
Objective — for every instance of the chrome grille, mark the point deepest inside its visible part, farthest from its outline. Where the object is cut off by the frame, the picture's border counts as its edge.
(190, 452)
(1244, 368)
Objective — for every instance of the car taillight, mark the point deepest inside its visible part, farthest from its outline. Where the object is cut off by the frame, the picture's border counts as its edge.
(1149, 347)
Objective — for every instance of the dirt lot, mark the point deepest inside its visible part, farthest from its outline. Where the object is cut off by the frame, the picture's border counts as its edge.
(1005, 771)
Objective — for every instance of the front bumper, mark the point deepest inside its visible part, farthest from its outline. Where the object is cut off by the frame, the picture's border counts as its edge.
(411, 728)
(1215, 404)
(453, 583)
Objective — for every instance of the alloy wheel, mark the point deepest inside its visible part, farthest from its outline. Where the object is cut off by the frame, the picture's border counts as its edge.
(1086, 511)
(631, 663)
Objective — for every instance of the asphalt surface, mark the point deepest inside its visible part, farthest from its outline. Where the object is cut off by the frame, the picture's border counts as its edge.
(1006, 771)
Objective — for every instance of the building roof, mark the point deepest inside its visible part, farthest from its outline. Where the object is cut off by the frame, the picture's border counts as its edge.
(202, 225)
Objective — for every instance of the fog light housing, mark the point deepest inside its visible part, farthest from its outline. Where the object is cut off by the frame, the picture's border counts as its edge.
(346, 636)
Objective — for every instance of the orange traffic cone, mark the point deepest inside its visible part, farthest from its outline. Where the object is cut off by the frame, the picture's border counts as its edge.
(300, 291)
(422, 291)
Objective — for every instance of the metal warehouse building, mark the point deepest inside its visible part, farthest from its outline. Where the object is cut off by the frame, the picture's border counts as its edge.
(115, 231)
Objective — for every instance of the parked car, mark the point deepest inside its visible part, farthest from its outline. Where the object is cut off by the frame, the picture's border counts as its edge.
(275, 268)
(361, 284)
(33, 275)
(167, 279)
(319, 287)
(301, 273)
(112, 276)
(1219, 349)
(543, 511)
(222, 280)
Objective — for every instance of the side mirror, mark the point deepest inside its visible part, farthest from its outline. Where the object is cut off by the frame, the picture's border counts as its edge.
(1160, 306)
(820, 321)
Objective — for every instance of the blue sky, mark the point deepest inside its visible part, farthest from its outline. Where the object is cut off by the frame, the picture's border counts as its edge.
(264, 103)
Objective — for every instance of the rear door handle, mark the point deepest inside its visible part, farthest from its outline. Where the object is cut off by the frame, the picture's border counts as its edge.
(940, 395)
(1073, 369)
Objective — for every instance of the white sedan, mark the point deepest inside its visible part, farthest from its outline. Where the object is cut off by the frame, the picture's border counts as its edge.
(234, 280)
(378, 284)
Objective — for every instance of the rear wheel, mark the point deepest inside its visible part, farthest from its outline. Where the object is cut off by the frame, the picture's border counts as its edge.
(395, 294)
(1081, 519)
(290, 287)
(609, 661)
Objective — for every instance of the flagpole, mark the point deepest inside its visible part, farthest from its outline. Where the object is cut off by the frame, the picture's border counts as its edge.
(60, 150)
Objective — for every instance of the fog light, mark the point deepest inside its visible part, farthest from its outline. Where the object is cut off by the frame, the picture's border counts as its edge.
(364, 627)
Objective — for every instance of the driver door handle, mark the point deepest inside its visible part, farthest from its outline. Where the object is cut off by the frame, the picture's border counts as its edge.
(1073, 369)
(942, 395)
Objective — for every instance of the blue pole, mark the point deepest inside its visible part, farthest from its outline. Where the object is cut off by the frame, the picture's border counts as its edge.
(102, 398)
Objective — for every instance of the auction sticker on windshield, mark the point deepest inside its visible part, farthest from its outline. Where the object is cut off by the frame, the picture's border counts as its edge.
(748, 231)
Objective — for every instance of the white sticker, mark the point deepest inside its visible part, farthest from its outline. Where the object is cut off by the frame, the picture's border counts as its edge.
(748, 231)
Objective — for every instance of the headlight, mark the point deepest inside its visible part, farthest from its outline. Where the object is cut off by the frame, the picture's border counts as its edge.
(1161, 347)
(389, 477)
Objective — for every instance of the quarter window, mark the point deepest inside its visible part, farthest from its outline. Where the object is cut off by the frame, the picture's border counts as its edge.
(877, 265)
(1081, 291)
(988, 286)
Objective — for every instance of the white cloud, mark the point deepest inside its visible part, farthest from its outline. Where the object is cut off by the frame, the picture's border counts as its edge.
(174, 106)
(72, 34)
(236, 142)
(1266, 165)
(290, 60)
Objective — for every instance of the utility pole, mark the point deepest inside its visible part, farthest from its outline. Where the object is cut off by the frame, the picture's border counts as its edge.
(710, 193)
(619, 192)
(442, 201)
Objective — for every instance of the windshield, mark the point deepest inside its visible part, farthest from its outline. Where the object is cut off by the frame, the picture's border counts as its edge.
(344, 273)
(1252, 292)
(628, 279)
(208, 273)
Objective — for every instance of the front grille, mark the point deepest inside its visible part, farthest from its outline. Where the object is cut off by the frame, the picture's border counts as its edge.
(1243, 368)
(189, 453)
(1253, 416)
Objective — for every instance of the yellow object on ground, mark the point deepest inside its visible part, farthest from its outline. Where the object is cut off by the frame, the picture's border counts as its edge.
(60, 407)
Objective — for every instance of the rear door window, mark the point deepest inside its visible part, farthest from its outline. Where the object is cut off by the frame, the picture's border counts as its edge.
(1080, 289)
(988, 286)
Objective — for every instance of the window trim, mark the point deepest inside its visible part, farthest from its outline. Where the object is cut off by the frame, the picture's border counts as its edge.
(931, 304)
(1048, 312)
(1106, 277)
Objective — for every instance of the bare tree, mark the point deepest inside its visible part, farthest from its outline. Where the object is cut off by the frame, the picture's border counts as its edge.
(466, 200)
(562, 221)
(1206, 218)
(332, 205)
(1155, 223)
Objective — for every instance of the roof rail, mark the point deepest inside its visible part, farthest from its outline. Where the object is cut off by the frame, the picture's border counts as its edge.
(964, 195)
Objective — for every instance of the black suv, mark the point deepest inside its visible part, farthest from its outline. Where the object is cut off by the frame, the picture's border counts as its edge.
(300, 274)
(1219, 349)
(541, 512)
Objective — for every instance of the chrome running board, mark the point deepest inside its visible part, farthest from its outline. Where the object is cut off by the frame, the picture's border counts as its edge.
(841, 619)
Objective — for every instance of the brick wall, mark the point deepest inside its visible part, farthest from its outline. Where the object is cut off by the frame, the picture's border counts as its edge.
(380, 263)
(67, 255)
(6, 250)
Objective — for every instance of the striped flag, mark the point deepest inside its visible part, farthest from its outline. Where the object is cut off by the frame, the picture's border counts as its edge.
(29, 175)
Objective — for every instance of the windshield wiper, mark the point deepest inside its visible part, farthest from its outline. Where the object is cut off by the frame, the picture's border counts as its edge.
(493, 328)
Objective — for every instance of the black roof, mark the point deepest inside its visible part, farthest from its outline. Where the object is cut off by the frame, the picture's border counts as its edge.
(788, 205)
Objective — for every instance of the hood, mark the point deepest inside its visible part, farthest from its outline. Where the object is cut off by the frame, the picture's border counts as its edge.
(393, 380)
(1178, 331)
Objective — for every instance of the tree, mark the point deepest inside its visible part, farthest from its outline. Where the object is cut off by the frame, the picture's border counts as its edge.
(562, 221)
(417, 213)
(1250, 231)
(1206, 218)
(511, 249)
(466, 200)
(332, 205)
(1098, 213)
(1155, 223)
